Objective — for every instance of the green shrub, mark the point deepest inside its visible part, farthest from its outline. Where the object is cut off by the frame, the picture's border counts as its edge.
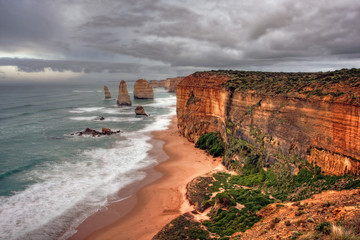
(323, 227)
(212, 142)
(304, 175)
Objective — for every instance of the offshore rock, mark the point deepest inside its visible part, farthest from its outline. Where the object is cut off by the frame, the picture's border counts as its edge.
(107, 92)
(123, 98)
(143, 90)
(140, 111)
(95, 133)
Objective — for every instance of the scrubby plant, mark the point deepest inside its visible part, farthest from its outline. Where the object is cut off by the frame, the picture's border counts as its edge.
(212, 142)
(323, 227)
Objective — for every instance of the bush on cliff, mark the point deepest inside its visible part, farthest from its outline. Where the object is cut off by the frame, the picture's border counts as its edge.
(212, 142)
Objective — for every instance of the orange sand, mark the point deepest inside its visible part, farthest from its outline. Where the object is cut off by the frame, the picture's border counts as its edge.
(158, 203)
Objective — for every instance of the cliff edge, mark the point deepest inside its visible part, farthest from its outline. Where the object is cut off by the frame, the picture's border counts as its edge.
(289, 116)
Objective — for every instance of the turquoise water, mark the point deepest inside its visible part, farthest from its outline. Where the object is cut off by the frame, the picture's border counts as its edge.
(50, 180)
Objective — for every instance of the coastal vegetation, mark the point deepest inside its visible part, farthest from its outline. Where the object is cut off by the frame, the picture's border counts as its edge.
(266, 131)
(212, 142)
(232, 200)
(319, 84)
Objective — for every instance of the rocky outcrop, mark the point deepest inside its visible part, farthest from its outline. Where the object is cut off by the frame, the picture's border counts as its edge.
(173, 83)
(107, 93)
(140, 111)
(304, 216)
(143, 90)
(154, 83)
(321, 128)
(95, 133)
(124, 97)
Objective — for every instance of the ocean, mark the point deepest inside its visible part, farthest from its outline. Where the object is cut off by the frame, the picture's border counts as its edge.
(51, 180)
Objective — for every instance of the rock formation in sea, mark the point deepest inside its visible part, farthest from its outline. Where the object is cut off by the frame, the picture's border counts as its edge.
(95, 133)
(107, 92)
(143, 90)
(140, 111)
(309, 116)
(124, 97)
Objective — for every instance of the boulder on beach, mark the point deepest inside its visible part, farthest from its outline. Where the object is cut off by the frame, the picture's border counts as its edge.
(124, 97)
(140, 111)
(143, 90)
(107, 92)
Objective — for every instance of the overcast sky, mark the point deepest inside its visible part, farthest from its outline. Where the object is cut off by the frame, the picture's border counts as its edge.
(156, 39)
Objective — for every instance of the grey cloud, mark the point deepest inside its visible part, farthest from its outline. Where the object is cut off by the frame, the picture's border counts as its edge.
(39, 65)
(25, 24)
(181, 35)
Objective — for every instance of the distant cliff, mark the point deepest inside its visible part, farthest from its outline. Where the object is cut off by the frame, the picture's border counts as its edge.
(312, 116)
(170, 83)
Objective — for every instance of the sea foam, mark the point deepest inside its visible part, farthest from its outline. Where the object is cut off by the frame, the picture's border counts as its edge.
(72, 190)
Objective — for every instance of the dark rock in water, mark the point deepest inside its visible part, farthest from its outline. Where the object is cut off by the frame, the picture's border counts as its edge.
(102, 118)
(140, 111)
(107, 92)
(94, 133)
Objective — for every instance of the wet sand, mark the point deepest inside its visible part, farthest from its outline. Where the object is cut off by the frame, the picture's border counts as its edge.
(156, 204)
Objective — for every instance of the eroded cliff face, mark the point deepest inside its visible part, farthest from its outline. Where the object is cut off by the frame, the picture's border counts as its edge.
(173, 83)
(201, 104)
(322, 131)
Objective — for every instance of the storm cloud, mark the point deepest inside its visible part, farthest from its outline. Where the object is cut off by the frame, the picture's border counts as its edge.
(114, 36)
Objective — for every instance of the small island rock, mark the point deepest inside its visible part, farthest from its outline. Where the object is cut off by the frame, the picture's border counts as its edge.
(143, 90)
(123, 98)
(107, 92)
(140, 111)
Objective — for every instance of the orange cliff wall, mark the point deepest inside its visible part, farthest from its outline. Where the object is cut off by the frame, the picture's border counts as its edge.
(324, 133)
(200, 104)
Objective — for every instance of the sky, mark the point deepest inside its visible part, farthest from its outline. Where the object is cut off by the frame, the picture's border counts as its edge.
(52, 40)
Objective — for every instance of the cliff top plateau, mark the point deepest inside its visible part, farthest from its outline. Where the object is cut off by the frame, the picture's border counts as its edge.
(341, 86)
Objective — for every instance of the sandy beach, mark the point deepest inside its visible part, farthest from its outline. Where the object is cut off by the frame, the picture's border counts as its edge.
(156, 204)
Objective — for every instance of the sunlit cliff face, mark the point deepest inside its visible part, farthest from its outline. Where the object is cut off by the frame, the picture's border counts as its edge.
(322, 130)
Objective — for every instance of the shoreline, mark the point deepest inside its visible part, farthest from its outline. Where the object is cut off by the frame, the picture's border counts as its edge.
(157, 199)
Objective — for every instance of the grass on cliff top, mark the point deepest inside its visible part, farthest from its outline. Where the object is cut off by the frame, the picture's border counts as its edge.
(343, 83)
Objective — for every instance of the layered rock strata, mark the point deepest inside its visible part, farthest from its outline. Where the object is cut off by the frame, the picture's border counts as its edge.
(143, 90)
(107, 92)
(124, 97)
(322, 129)
(173, 83)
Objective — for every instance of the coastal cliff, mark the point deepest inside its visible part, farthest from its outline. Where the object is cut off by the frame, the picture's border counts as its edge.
(172, 83)
(311, 116)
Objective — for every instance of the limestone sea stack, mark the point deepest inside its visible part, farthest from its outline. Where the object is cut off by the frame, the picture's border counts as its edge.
(143, 90)
(123, 98)
(107, 92)
(139, 110)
